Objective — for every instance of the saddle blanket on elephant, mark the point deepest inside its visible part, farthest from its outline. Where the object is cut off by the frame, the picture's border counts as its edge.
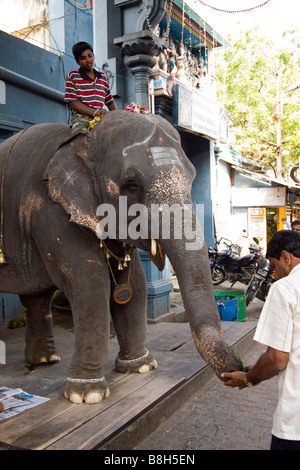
(80, 122)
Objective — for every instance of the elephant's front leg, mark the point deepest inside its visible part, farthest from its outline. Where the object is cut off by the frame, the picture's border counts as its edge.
(90, 309)
(130, 322)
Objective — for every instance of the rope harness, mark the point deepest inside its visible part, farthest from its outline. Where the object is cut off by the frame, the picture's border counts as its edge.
(2, 255)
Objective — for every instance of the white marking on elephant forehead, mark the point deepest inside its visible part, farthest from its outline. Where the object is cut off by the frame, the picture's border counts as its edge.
(137, 144)
(165, 156)
(153, 118)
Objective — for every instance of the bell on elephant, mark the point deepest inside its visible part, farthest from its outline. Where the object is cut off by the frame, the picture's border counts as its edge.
(120, 266)
(2, 257)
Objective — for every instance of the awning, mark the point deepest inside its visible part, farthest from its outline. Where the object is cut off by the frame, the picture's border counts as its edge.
(186, 23)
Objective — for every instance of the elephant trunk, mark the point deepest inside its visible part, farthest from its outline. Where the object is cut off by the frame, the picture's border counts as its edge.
(193, 274)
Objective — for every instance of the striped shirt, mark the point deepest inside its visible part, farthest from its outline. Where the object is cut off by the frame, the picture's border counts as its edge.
(79, 86)
(279, 328)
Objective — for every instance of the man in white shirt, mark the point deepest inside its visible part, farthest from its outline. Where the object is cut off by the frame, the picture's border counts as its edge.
(279, 329)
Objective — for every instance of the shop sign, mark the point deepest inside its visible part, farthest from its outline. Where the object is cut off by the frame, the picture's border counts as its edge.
(258, 226)
(260, 197)
(197, 113)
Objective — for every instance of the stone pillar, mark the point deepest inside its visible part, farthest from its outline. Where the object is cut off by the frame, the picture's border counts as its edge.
(139, 46)
(140, 61)
(139, 58)
(159, 287)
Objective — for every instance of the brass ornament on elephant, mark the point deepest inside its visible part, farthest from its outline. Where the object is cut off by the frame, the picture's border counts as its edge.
(122, 292)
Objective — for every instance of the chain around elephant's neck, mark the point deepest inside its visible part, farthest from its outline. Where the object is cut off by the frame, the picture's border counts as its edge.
(122, 292)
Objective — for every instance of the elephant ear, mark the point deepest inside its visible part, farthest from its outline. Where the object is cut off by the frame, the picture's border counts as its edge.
(70, 182)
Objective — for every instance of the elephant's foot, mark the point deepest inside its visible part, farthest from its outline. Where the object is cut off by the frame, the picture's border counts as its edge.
(139, 365)
(89, 391)
(41, 353)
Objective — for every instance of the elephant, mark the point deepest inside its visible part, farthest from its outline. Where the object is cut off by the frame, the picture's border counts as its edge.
(57, 190)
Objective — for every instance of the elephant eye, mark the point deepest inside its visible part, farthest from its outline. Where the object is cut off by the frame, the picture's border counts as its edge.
(132, 187)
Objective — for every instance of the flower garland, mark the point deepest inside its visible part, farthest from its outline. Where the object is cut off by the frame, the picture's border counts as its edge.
(133, 107)
(93, 122)
(167, 32)
(234, 11)
(136, 108)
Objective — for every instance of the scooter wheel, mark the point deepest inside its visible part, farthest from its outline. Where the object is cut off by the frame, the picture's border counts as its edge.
(218, 276)
(250, 294)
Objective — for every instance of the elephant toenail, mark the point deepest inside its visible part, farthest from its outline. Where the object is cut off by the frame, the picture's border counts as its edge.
(93, 397)
(54, 358)
(76, 398)
(144, 369)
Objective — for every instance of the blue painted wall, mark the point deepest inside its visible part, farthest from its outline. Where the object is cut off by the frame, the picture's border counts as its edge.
(197, 149)
(10, 308)
(78, 26)
(34, 85)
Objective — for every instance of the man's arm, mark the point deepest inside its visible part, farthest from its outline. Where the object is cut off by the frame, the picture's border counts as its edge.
(269, 364)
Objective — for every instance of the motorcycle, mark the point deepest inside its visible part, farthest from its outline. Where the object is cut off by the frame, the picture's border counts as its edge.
(260, 282)
(226, 265)
(213, 254)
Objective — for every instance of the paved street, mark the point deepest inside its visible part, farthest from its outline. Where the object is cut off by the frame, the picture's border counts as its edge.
(221, 418)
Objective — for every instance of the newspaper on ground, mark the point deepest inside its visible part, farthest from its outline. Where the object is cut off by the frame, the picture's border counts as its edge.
(15, 400)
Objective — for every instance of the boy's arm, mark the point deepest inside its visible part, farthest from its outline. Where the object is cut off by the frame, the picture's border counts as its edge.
(112, 106)
(82, 108)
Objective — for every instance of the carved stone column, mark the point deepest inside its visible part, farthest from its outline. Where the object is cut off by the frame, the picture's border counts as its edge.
(139, 45)
(139, 59)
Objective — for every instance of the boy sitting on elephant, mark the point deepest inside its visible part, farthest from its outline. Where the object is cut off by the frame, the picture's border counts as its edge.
(86, 89)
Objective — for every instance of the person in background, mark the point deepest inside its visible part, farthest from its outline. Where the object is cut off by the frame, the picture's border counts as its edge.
(296, 225)
(244, 243)
(279, 329)
(86, 89)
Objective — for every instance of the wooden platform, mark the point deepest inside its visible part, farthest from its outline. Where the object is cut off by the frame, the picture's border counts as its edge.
(137, 403)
